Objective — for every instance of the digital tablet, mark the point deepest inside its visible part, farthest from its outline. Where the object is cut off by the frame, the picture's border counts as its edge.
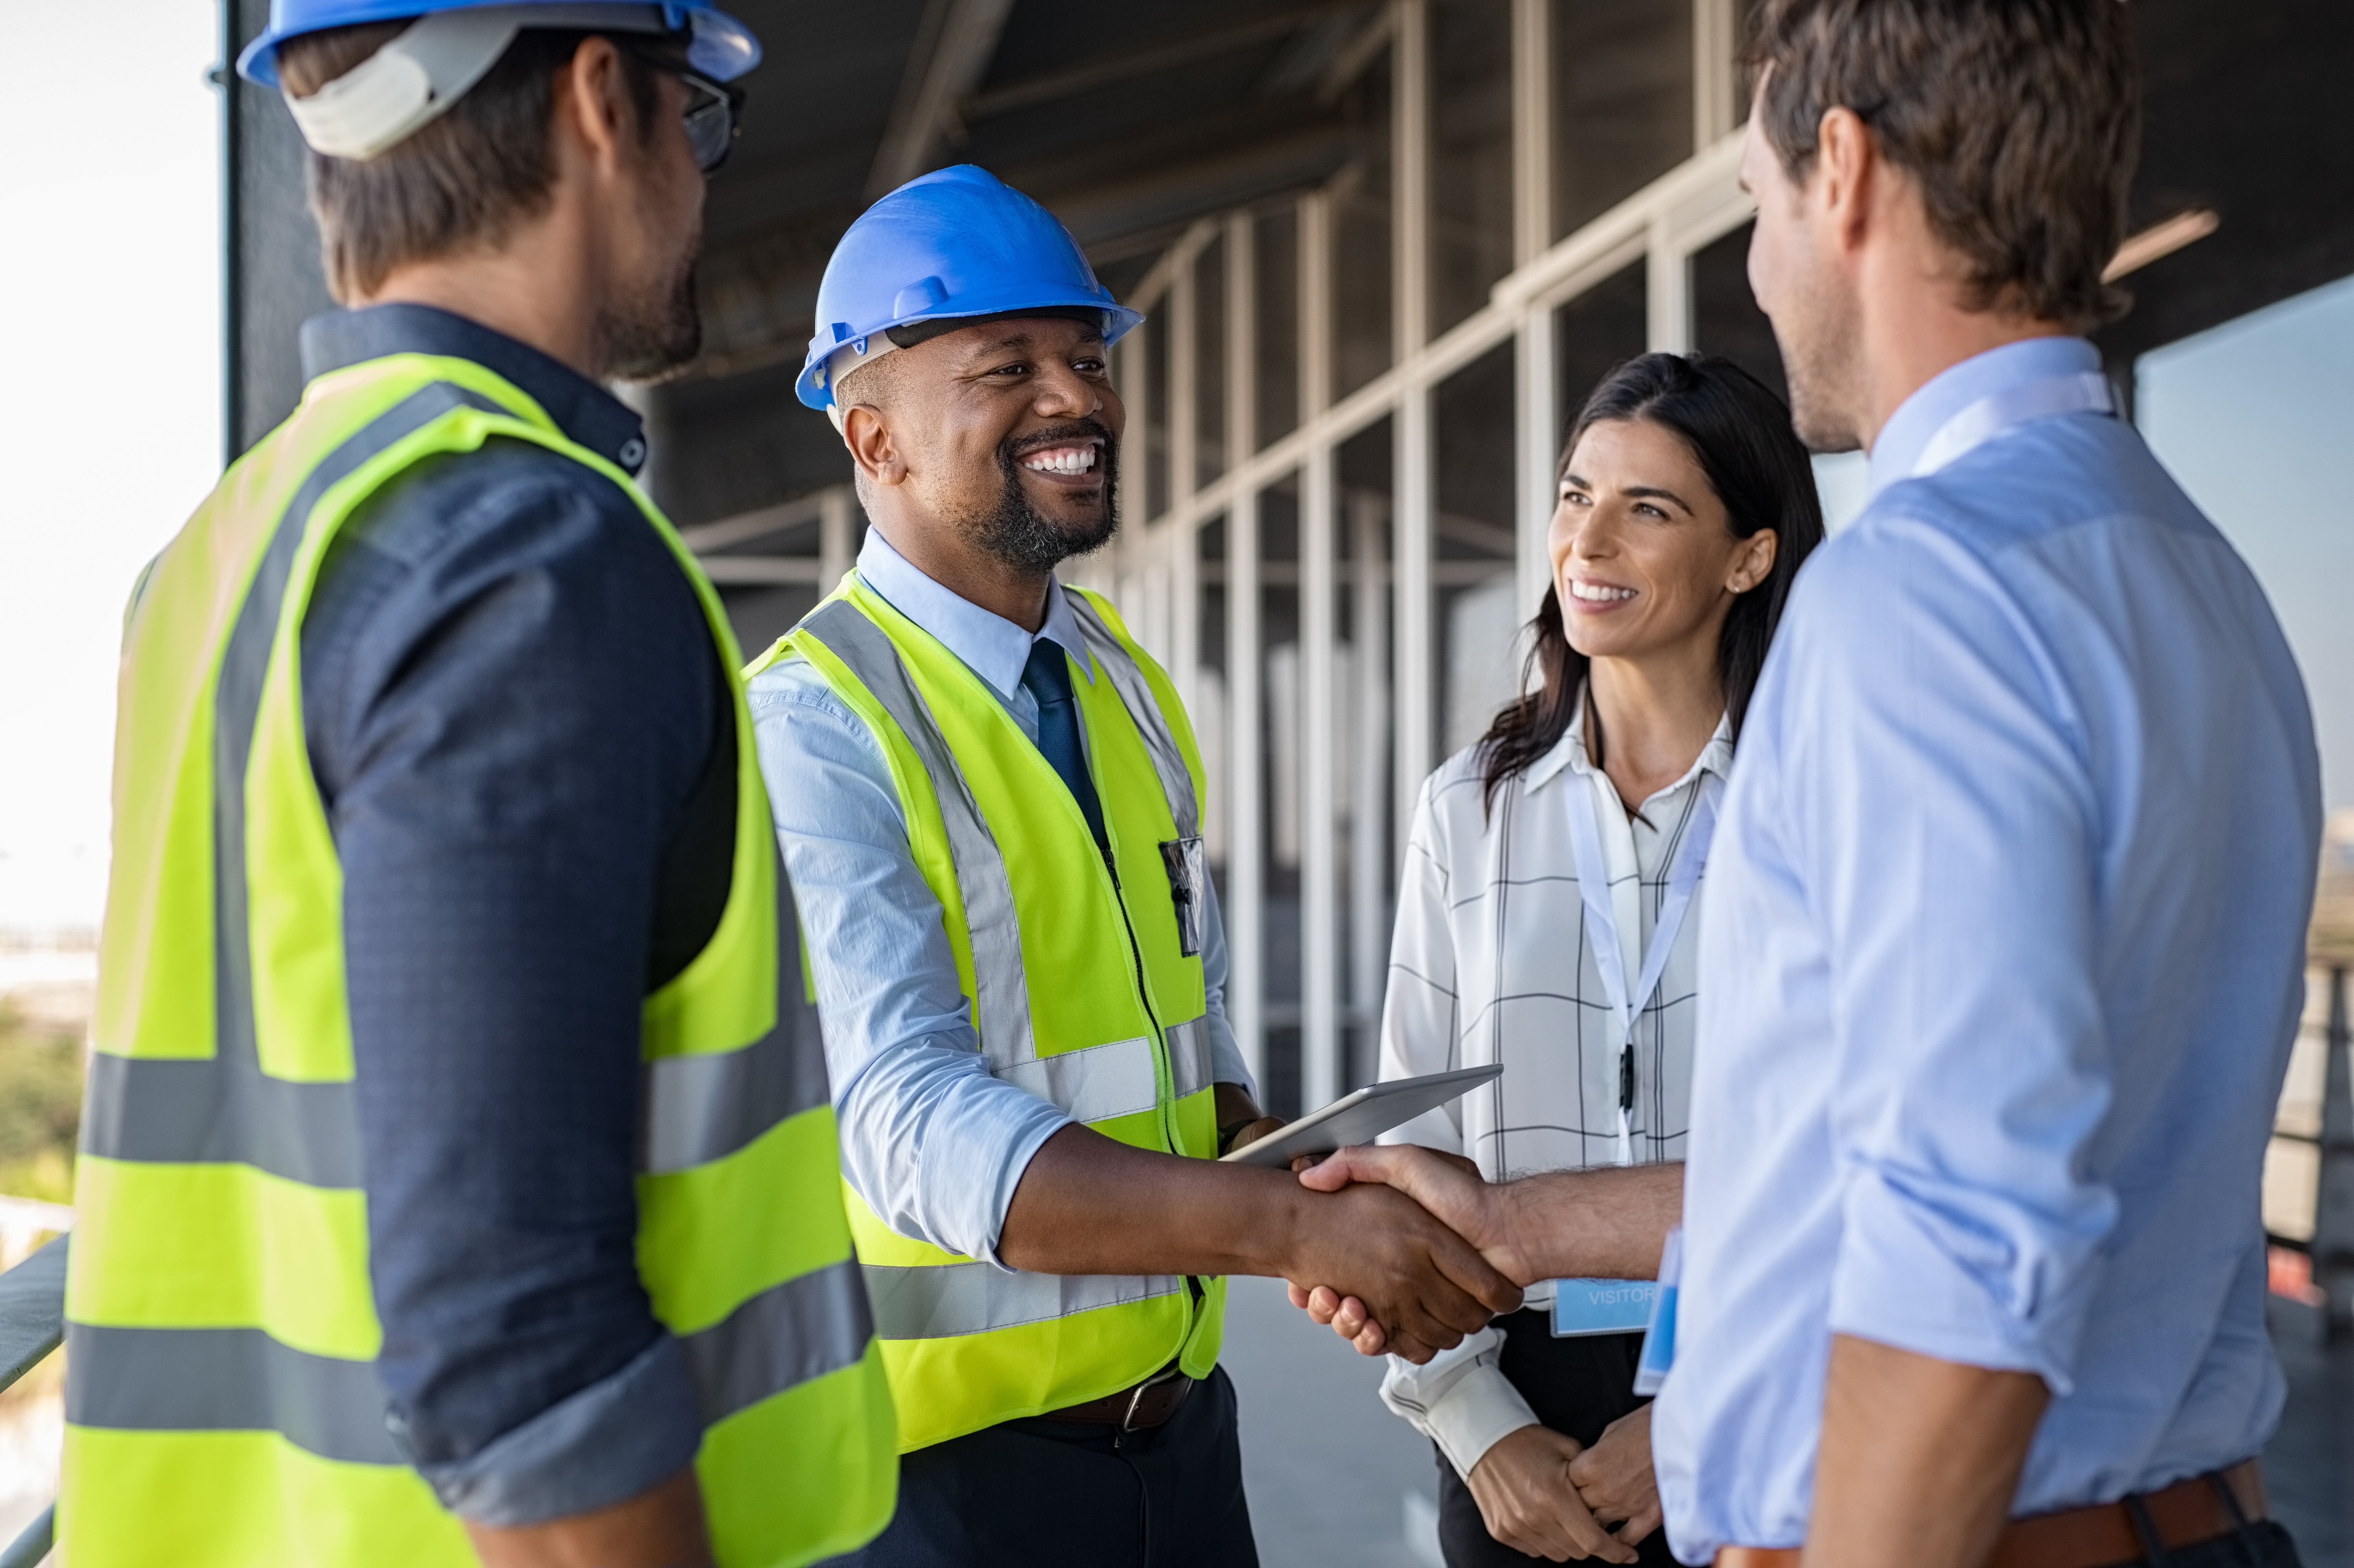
(1361, 1116)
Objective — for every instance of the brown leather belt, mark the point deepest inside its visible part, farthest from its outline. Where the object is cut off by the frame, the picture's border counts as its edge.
(2103, 1535)
(1145, 1405)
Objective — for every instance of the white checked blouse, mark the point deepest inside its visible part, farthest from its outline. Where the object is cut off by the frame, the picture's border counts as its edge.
(1492, 962)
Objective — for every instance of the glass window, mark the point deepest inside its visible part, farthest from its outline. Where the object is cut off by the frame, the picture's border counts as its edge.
(1275, 258)
(1282, 729)
(1622, 96)
(1360, 234)
(1209, 708)
(1594, 334)
(1470, 154)
(1151, 341)
(1364, 764)
(1477, 623)
(1210, 361)
(1726, 317)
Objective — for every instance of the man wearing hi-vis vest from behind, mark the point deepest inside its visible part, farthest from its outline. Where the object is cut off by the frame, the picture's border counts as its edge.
(459, 1176)
(992, 804)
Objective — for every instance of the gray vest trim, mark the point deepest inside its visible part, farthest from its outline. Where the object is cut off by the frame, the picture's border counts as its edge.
(805, 1328)
(226, 1379)
(1002, 1003)
(706, 1106)
(942, 1300)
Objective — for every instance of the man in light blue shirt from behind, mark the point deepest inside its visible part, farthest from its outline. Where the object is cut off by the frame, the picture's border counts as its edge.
(2008, 902)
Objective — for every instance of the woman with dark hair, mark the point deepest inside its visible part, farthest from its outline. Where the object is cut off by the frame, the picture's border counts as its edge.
(1545, 921)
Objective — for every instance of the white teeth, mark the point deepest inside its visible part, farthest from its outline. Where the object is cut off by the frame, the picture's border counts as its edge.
(1597, 593)
(1062, 459)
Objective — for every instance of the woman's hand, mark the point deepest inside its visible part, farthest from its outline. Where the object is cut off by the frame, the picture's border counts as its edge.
(1529, 1502)
(1615, 1480)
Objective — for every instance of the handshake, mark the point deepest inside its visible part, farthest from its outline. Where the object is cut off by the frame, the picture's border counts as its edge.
(1424, 1251)
(1417, 1251)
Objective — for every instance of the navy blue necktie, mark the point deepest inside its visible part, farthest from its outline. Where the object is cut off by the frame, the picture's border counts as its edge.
(1048, 680)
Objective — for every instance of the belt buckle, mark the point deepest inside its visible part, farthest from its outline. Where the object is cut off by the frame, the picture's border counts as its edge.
(1136, 1396)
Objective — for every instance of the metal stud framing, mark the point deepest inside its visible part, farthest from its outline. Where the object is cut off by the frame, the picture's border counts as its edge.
(1392, 638)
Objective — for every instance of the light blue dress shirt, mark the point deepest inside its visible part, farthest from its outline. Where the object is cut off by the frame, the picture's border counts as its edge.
(932, 1142)
(2005, 938)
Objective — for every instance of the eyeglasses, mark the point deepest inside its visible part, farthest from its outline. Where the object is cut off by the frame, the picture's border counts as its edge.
(714, 113)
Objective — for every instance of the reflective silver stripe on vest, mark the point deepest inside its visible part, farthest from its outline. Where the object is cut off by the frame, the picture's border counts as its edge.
(226, 1379)
(1192, 1067)
(1003, 1003)
(940, 1301)
(1135, 694)
(705, 1106)
(224, 1108)
(242, 1380)
(1093, 1084)
(781, 1338)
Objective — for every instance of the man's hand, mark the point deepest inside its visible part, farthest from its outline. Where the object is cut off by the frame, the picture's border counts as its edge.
(1382, 1249)
(1614, 1477)
(1529, 1502)
(1087, 1204)
(661, 1528)
(1600, 1225)
(1448, 1185)
(1234, 1105)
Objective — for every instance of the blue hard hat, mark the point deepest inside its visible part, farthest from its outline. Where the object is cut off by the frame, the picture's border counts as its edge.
(956, 242)
(722, 49)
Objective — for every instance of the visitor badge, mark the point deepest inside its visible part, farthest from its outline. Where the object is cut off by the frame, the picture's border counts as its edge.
(1601, 1307)
(1659, 1337)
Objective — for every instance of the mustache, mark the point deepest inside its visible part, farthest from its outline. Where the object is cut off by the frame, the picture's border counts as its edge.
(1012, 449)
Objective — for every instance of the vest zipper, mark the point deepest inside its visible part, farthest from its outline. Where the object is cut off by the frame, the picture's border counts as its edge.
(1160, 1040)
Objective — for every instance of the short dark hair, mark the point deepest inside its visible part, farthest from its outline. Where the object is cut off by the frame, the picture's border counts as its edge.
(2020, 120)
(466, 179)
(1740, 434)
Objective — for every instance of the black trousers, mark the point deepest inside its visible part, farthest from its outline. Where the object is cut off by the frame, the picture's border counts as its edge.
(1576, 1386)
(1063, 1494)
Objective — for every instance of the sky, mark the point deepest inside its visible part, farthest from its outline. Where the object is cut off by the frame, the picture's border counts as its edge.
(109, 328)
(110, 321)
(2256, 419)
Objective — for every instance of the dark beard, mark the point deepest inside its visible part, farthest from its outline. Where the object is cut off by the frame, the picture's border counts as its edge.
(1021, 537)
(656, 336)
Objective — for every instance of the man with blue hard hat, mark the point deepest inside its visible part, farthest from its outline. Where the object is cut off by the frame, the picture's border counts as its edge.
(991, 802)
(459, 1175)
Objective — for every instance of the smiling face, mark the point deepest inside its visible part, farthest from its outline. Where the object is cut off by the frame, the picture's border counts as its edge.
(1644, 557)
(1007, 431)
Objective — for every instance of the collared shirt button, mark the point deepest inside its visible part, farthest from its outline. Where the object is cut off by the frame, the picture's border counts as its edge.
(633, 453)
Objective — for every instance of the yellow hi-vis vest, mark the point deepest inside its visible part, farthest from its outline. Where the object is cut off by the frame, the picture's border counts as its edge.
(221, 1403)
(1115, 1032)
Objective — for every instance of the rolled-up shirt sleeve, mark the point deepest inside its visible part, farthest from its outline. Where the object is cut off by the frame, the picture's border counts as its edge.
(1957, 902)
(931, 1141)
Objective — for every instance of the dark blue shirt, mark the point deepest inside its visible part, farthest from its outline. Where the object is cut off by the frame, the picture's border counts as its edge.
(520, 727)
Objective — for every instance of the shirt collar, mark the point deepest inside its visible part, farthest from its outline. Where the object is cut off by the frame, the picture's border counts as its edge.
(587, 414)
(1569, 752)
(1919, 418)
(991, 646)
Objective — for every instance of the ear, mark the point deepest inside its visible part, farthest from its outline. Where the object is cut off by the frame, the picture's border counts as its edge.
(593, 107)
(871, 445)
(1753, 563)
(1841, 185)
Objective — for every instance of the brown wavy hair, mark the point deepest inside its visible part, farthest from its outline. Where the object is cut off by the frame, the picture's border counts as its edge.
(1739, 432)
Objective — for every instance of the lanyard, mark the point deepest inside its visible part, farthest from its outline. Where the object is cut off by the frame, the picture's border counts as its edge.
(2086, 392)
(1601, 923)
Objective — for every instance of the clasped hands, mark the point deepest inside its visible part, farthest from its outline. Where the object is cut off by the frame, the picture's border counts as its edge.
(1451, 1188)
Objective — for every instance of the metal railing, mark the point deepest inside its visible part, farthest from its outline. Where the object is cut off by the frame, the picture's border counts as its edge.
(32, 1322)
